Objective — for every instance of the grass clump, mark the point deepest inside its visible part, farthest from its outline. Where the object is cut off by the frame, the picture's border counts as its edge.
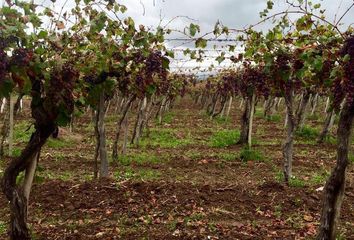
(167, 118)
(224, 138)
(22, 132)
(273, 118)
(307, 132)
(3, 227)
(319, 178)
(221, 120)
(229, 157)
(314, 117)
(351, 157)
(164, 138)
(293, 181)
(330, 139)
(296, 182)
(249, 154)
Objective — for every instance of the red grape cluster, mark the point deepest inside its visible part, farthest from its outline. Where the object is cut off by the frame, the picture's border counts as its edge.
(253, 81)
(279, 74)
(344, 87)
(4, 62)
(59, 96)
(230, 84)
(21, 57)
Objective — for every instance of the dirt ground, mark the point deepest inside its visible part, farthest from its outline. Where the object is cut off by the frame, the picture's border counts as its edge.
(180, 185)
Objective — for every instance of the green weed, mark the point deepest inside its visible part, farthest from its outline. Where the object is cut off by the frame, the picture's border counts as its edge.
(194, 155)
(278, 210)
(22, 132)
(330, 139)
(164, 138)
(307, 132)
(296, 182)
(313, 117)
(293, 181)
(193, 218)
(224, 138)
(221, 120)
(351, 157)
(259, 113)
(273, 118)
(167, 118)
(248, 154)
(229, 157)
(58, 143)
(319, 178)
(3, 227)
(279, 176)
(16, 152)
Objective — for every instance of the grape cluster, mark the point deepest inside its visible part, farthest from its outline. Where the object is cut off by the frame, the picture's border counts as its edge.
(278, 77)
(230, 84)
(4, 63)
(21, 57)
(7, 41)
(345, 87)
(253, 81)
(153, 62)
(325, 74)
(60, 90)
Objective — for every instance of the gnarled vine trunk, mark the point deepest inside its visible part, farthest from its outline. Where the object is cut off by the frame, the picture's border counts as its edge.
(139, 121)
(100, 133)
(247, 120)
(335, 186)
(269, 105)
(327, 126)
(229, 107)
(289, 141)
(122, 119)
(16, 195)
(301, 111)
(222, 108)
(18, 104)
(5, 125)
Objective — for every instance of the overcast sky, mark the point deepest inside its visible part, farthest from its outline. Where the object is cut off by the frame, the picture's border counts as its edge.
(232, 13)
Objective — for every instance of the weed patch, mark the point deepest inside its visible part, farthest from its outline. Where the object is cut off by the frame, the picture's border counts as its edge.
(164, 138)
(307, 132)
(248, 154)
(224, 138)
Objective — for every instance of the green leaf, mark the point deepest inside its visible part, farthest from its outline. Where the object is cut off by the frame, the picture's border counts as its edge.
(201, 43)
(220, 58)
(270, 4)
(346, 58)
(6, 87)
(225, 30)
(171, 54)
(165, 63)
(193, 29)
(317, 6)
(42, 34)
(63, 117)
